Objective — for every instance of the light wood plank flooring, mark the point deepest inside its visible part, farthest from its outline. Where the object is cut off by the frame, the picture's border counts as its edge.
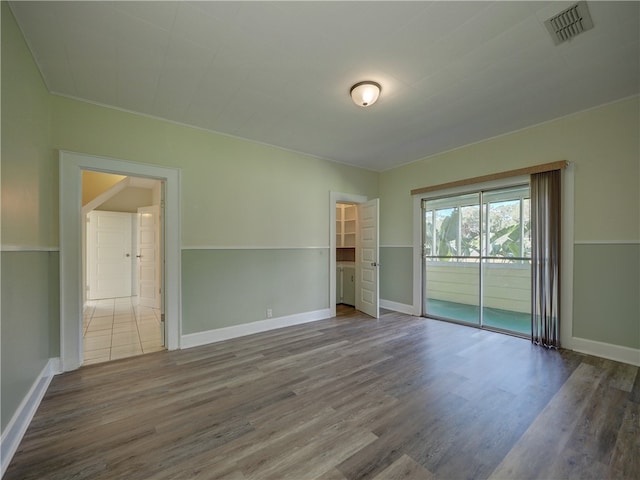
(344, 398)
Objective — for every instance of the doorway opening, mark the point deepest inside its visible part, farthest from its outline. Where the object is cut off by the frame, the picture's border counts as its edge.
(71, 227)
(354, 244)
(122, 256)
(346, 227)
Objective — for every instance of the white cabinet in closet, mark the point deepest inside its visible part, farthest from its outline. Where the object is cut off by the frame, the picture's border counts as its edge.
(346, 285)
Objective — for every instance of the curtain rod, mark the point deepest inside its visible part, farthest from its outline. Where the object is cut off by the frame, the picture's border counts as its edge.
(545, 167)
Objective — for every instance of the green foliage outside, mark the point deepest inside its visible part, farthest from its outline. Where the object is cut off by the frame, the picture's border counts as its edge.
(505, 232)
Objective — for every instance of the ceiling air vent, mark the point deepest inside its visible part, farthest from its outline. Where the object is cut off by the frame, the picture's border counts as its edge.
(569, 23)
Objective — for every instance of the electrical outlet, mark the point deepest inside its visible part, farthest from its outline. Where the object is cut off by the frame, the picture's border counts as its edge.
(269, 313)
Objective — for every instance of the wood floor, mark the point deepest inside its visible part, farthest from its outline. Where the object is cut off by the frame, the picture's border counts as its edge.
(345, 398)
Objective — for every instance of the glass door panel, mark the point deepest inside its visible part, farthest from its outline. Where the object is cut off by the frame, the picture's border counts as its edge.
(452, 258)
(506, 295)
(452, 290)
(506, 265)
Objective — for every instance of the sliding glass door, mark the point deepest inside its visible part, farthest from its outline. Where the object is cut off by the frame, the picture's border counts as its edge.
(477, 259)
(506, 292)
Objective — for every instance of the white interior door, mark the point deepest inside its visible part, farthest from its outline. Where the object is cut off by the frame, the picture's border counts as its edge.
(109, 248)
(149, 271)
(367, 298)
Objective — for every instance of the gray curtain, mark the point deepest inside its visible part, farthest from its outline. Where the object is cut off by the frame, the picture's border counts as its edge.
(545, 258)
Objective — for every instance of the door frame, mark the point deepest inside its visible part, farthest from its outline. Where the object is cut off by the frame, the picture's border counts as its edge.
(336, 197)
(71, 301)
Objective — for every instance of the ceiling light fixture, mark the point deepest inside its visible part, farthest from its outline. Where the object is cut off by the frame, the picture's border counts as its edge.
(365, 94)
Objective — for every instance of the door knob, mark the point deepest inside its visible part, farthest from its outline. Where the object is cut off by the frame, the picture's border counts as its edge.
(138, 256)
(127, 255)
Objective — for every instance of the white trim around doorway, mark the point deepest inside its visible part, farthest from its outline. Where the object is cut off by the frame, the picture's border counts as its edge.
(71, 166)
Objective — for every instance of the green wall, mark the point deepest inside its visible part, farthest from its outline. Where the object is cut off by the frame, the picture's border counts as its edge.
(221, 288)
(234, 192)
(29, 166)
(396, 274)
(29, 270)
(27, 326)
(616, 311)
(602, 145)
(234, 195)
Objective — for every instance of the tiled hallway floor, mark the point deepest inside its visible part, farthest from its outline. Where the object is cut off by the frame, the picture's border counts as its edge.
(118, 328)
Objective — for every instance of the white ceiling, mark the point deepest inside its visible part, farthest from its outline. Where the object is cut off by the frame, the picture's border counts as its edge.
(452, 73)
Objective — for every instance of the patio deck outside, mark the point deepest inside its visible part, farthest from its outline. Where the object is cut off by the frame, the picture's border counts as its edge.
(515, 322)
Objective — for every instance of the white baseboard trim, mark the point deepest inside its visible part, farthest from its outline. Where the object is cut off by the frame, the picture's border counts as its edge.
(226, 333)
(397, 307)
(17, 426)
(605, 350)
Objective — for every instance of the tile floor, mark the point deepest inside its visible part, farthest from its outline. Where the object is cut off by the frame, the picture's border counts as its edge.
(118, 328)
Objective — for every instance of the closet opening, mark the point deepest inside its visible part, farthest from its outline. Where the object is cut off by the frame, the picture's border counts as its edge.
(346, 229)
(354, 239)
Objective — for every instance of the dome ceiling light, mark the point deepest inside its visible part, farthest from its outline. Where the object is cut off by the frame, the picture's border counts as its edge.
(365, 94)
